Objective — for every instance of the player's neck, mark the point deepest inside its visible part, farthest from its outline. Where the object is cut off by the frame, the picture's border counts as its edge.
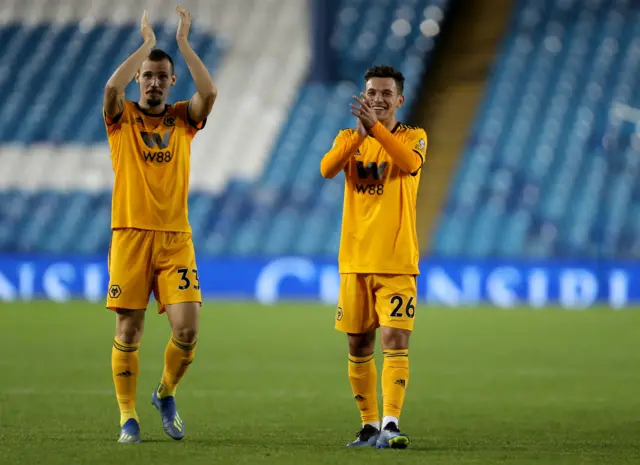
(155, 110)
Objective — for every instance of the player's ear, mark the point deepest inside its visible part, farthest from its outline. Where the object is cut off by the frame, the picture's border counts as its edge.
(174, 79)
(137, 77)
(400, 101)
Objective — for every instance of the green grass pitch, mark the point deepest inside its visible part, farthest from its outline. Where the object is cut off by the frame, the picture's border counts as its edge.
(269, 386)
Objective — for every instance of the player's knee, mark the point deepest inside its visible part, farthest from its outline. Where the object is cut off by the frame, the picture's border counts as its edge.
(361, 345)
(184, 318)
(129, 325)
(394, 338)
(185, 333)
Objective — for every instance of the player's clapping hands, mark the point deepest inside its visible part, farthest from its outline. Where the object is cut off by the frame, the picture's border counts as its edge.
(145, 29)
(362, 132)
(363, 111)
(184, 25)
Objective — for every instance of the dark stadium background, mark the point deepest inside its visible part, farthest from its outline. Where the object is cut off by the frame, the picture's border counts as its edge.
(526, 342)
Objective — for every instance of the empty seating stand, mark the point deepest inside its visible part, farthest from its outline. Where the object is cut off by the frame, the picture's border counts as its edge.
(290, 208)
(551, 168)
(53, 107)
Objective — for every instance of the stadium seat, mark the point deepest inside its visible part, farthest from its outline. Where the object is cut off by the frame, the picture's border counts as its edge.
(315, 119)
(548, 155)
(257, 192)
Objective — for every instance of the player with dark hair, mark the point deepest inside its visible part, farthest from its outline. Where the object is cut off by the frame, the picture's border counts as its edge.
(378, 257)
(385, 72)
(156, 55)
(151, 247)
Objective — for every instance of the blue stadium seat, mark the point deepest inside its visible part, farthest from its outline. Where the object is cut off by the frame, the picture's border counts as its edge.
(305, 219)
(288, 208)
(546, 169)
(66, 69)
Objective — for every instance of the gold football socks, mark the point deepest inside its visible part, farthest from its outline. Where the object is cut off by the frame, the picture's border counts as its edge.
(395, 377)
(177, 358)
(363, 378)
(124, 364)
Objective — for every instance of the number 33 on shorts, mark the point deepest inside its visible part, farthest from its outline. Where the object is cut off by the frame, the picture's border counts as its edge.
(185, 281)
(177, 284)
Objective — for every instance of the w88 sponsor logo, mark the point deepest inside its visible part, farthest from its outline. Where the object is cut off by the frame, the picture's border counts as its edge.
(158, 157)
(371, 189)
(157, 141)
(374, 172)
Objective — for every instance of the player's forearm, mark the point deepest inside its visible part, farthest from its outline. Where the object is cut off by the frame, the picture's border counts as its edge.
(335, 160)
(403, 156)
(127, 70)
(201, 77)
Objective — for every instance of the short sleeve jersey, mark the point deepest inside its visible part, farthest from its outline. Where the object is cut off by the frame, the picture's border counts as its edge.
(151, 157)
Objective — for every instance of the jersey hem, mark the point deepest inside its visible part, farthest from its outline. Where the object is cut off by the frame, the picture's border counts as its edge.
(146, 228)
(412, 272)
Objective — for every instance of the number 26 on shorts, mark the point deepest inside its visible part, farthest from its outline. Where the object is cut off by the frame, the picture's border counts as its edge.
(400, 309)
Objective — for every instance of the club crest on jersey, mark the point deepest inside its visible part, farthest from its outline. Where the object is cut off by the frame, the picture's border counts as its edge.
(339, 314)
(357, 153)
(421, 144)
(169, 120)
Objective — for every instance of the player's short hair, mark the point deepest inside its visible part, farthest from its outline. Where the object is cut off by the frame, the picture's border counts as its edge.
(386, 72)
(160, 55)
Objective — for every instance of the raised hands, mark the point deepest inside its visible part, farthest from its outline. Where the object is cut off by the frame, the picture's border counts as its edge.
(360, 128)
(145, 29)
(363, 111)
(184, 25)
